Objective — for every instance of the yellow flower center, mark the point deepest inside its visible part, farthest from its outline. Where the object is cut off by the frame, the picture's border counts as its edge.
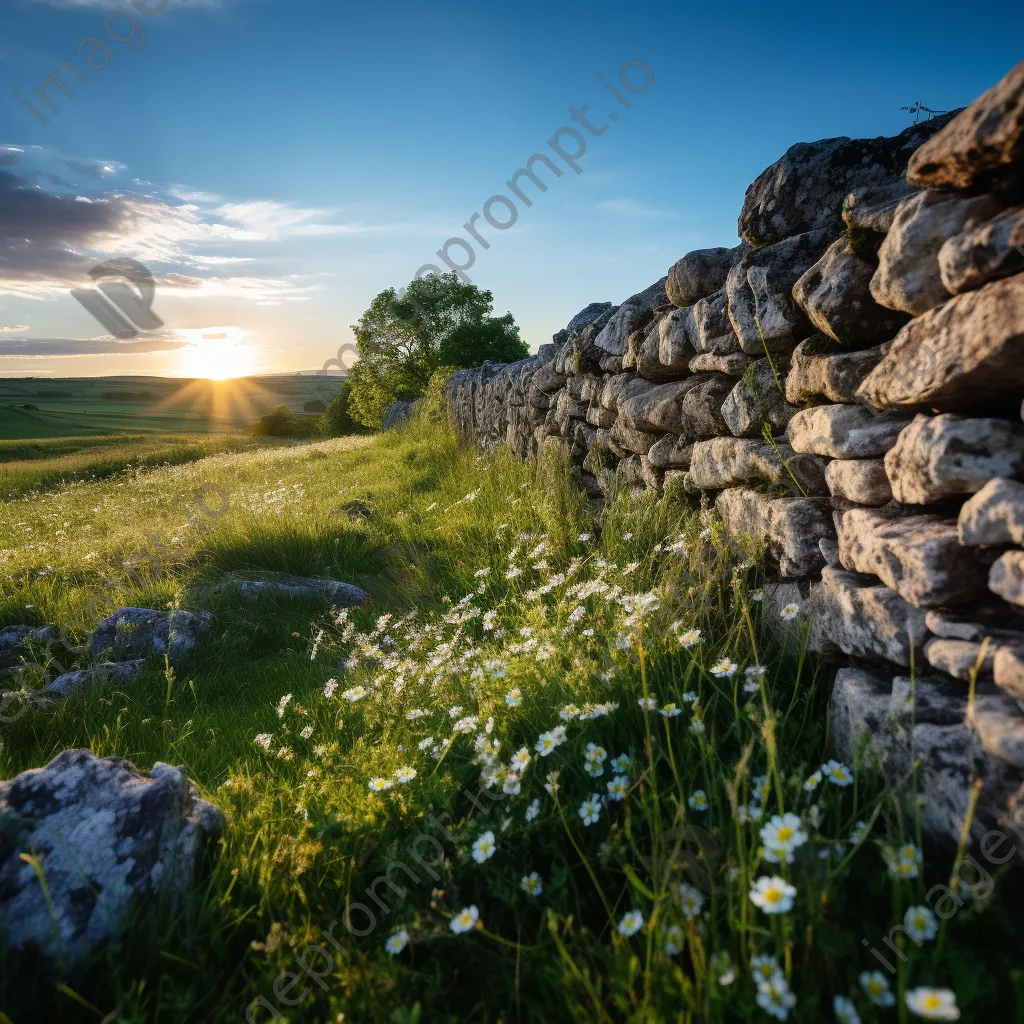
(772, 895)
(932, 1002)
(785, 834)
(876, 988)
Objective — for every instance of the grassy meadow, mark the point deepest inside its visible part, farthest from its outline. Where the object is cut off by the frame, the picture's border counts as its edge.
(559, 769)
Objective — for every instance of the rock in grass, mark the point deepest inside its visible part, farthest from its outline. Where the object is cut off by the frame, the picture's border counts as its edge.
(336, 593)
(16, 642)
(132, 633)
(394, 414)
(106, 836)
(83, 680)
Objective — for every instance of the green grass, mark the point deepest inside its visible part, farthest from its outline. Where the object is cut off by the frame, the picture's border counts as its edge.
(586, 620)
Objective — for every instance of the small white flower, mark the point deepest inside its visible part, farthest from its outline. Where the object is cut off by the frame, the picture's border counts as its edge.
(465, 921)
(690, 697)
(424, 743)
(547, 741)
(264, 740)
(845, 1011)
(837, 773)
(933, 1003)
(411, 716)
(790, 612)
(397, 942)
(670, 711)
(757, 595)
(484, 847)
(622, 763)
(514, 698)
(813, 781)
(584, 537)
(783, 832)
(920, 923)
(378, 784)
(511, 786)
(775, 998)
(520, 759)
(590, 809)
(647, 703)
(724, 668)
(405, 774)
(569, 712)
(618, 788)
(306, 732)
(773, 895)
(354, 693)
(467, 724)
(876, 988)
(532, 884)
(330, 687)
(673, 940)
(532, 811)
(690, 637)
(698, 800)
(692, 900)
(764, 967)
(632, 921)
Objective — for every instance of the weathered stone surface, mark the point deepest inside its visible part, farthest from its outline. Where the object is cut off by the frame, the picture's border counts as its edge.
(83, 680)
(620, 388)
(829, 548)
(625, 440)
(334, 592)
(805, 188)
(734, 364)
(836, 296)
(959, 657)
(995, 620)
(757, 400)
(648, 360)
(995, 515)
(989, 251)
(17, 643)
(920, 557)
(1006, 577)
(109, 837)
(832, 375)
(760, 291)
(729, 461)
(938, 456)
(715, 332)
(964, 355)
(630, 472)
(853, 614)
(861, 481)
(652, 477)
(635, 313)
(700, 273)
(597, 416)
(908, 276)
(1000, 726)
(394, 414)
(132, 633)
(874, 209)
(670, 452)
(981, 144)
(586, 316)
(659, 408)
(1008, 667)
(677, 334)
(844, 431)
(700, 413)
(548, 380)
(790, 528)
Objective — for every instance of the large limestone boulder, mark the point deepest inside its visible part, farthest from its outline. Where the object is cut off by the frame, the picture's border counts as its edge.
(83, 680)
(109, 838)
(815, 371)
(700, 413)
(789, 528)
(844, 431)
(758, 400)
(995, 515)
(871, 210)
(677, 340)
(621, 387)
(984, 143)
(132, 633)
(835, 294)
(804, 189)
(939, 456)
(1006, 578)
(670, 452)
(729, 461)
(920, 557)
(961, 356)
(985, 253)
(715, 332)
(908, 277)
(634, 314)
(586, 316)
(657, 409)
(701, 273)
(860, 481)
(760, 290)
(853, 614)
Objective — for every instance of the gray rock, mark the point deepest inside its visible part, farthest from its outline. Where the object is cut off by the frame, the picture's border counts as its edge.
(620, 387)
(874, 209)
(17, 642)
(648, 360)
(677, 340)
(670, 452)
(836, 296)
(658, 408)
(700, 273)
(760, 291)
(598, 416)
(908, 276)
(1006, 577)
(586, 316)
(832, 375)
(962, 356)
(111, 839)
(634, 314)
(730, 461)
(920, 557)
(630, 472)
(805, 188)
(548, 380)
(334, 592)
(789, 528)
(829, 548)
(1008, 667)
(734, 364)
(995, 515)
(624, 440)
(844, 431)
(757, 400)
(715, 332)
(132, 633)
(853, 614)
(981, 144)
(1000, 726)
(83, 680)
(395, 413)
(995, 621)
(861, 481)
(958, 658)
(700, 413)
(939, 456)
(985, 253)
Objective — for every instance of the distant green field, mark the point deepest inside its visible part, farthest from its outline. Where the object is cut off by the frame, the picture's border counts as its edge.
(90, 406)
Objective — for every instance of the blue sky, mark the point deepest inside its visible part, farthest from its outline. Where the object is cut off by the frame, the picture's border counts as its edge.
(276, 163)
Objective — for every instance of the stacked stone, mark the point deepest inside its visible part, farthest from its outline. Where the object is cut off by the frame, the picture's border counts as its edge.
(847, 384)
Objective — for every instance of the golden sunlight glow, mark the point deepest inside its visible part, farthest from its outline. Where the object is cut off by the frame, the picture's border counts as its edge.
(217, 353)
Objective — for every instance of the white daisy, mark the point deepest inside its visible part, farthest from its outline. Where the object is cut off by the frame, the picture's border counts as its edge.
(397, 942)
(465, 921)
(773, 895)
(920, 923)
(698, 800)
(790, 612)
(484, 847)
(532, 811)
(590, 809)
(933, 1003)
(376, 785)
(514, 698)
(354, 693)
(532, 884)
(813, 781)
(405, 774)
(724, 668)
(692, 899)
(690, 637)
(837, 773)
(876, 988)
(520, 759)
(632, 921)
(618, 788)
(845, 1011)
(670, 711)
(775, 998)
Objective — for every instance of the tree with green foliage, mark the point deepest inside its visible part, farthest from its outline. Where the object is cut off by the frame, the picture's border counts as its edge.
(406, 335)
(337, 419)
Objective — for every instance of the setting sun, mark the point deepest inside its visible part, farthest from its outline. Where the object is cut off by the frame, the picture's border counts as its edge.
(217, 353)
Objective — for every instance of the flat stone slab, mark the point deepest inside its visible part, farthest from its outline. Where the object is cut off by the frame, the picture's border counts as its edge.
(132, 633)
(861, 481)
(832, 375)
(845, 431)
(341, 595)
(83, 680)
(995, 515)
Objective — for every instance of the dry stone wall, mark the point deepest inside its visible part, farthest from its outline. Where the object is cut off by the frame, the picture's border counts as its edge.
(846, 385)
